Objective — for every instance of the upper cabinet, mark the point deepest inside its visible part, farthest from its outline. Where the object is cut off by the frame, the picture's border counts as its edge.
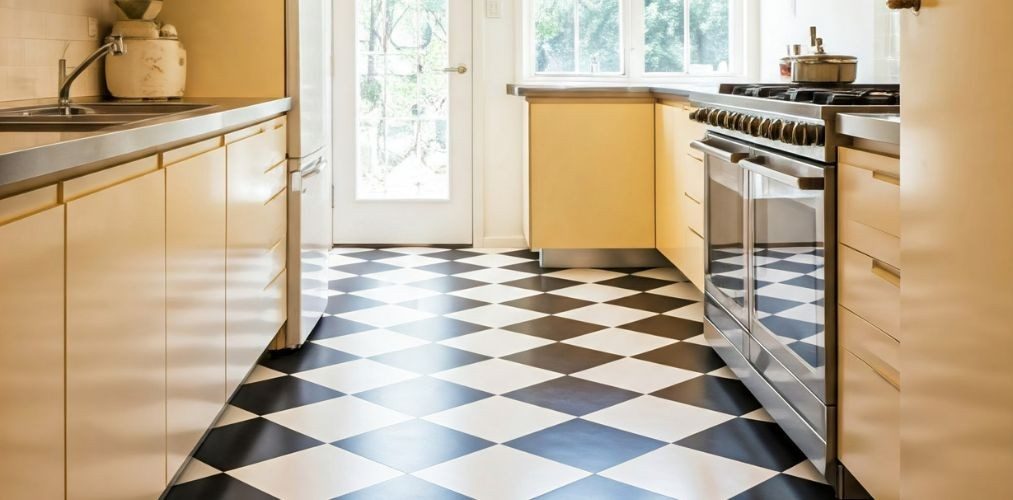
(591, 174)
(31, 346)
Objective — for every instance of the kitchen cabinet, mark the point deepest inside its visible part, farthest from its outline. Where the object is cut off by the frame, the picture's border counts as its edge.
(256, 244)
(679, 189)
(195, 294)
(591, 173)
(115, 332)
(31, 346)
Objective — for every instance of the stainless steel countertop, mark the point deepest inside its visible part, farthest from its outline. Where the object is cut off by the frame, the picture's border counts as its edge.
(33, 159)
(608, 90)
(882, 127)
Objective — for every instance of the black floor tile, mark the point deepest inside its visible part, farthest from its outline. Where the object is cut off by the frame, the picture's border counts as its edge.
(363, 268)
(438, 328)
(600, 488)
(374, 255)
(585, 445)
(329, 327)
(429, 358)
(554, 328)
(572, 396)
(442, 304)
(669, 327)
(282, 393)
(763, 444)
(340, 304)
(685, 355)
(548, 303)
(448, 284)
(542, 283)
(714, 393)
(249, 442)
(532, 267)
(651, 302)
(638, 283)
(449, 268)
(413, 445)
(785, 487)
(525, 254)
(407, 487)
(356, 284)
(422, 396)
(309, 357)
(453, 255)
(563, 358)
(217, 487)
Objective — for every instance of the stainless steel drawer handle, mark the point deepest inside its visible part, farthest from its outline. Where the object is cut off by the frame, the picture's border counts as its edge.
(803, 183)
(712, 150)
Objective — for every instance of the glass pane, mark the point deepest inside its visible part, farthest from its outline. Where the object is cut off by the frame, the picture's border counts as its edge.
(403, 99)
(600, 36)
(709, 36)
(554, 36)
(664, 36)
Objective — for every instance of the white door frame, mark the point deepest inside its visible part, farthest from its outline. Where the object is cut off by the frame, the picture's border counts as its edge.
(345, 101)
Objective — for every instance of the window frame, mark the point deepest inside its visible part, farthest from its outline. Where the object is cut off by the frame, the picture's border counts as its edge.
(632, 48)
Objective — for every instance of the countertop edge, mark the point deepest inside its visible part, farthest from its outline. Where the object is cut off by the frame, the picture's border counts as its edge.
(33, 167)
(870, 127)
(536, 90)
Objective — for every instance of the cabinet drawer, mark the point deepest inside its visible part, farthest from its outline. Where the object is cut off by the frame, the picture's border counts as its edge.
(870, 289)
(872, 345)
(691, 173)
(275, 180)
(869, 428)
(870, 204)
(259, 153)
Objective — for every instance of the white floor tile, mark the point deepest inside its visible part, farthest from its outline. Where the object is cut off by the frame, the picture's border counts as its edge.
(663, 273)
(234, 415)
(356, 376)
(410, 261)
(636, 375)
(585, 275)
(606, 314)
(496, 343)
(496, 315)
(337, 259)
(698, 340)
(372, 342)
(386, 316)
(692, 312)
(493, 260)
(687, 291)
(688, 474)
(261, 373)
(196, 470)
(347, 250)
(501, 473)
(495, 275)
(658, 418)
(499, 419)
(594, 293)
(298, 476)
(417, 250)
(337, 419)
(403, 276)
(806, 470)
(495, 294)
(497, 376)
(334, 275)
(723, 372)
(395, 294)
(619, 341)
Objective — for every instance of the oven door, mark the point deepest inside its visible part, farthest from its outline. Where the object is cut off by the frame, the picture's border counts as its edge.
(725, 271)
(792, 231)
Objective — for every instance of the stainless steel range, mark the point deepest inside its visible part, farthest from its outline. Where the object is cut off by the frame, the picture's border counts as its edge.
(771, 235)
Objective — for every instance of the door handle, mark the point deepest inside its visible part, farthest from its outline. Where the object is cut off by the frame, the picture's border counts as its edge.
(803, 183)
(460, 69)
(710, 149)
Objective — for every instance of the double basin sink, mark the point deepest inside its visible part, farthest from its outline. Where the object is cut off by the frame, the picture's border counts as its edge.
(88, 117)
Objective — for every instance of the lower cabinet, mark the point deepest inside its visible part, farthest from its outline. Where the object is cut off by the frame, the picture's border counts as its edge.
(679, 191)
(31, 346)
(115, 337)
(195, 302)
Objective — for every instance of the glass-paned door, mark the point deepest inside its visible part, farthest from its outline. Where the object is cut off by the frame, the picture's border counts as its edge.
(404, 123)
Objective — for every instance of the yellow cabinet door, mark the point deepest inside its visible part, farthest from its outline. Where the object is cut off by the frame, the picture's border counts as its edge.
(31, 347)
(195, 287)
(116, 337)
(592, 174)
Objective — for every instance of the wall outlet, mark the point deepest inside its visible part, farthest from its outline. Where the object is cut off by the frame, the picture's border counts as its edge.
(92, 27)
(493, 9)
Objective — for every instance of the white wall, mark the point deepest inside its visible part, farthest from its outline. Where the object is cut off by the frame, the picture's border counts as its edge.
(862, 28)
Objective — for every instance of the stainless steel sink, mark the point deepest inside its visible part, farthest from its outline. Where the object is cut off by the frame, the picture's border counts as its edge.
(87, 117)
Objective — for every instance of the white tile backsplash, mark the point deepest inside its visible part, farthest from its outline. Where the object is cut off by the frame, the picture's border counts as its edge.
(34, 34)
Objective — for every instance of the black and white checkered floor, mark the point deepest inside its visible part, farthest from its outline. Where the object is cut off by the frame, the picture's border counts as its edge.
(474, 373)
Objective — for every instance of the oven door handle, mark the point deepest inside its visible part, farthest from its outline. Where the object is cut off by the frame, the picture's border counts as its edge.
(803, 183)
(710, 149)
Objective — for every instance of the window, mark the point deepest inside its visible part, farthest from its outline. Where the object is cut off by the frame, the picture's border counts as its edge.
(632, 39)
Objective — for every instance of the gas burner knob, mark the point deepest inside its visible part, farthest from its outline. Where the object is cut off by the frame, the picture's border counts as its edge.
(742, 123)
(719, 118)
(774, 130)
(729, 122)
(820, 135)
(788, 133)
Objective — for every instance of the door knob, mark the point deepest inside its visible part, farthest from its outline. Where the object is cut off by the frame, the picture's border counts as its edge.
(462, 69)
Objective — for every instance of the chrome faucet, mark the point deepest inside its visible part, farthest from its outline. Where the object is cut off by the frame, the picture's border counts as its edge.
(113, 45)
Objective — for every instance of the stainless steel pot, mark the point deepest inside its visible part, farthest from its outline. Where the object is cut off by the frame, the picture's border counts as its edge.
(822, 68)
